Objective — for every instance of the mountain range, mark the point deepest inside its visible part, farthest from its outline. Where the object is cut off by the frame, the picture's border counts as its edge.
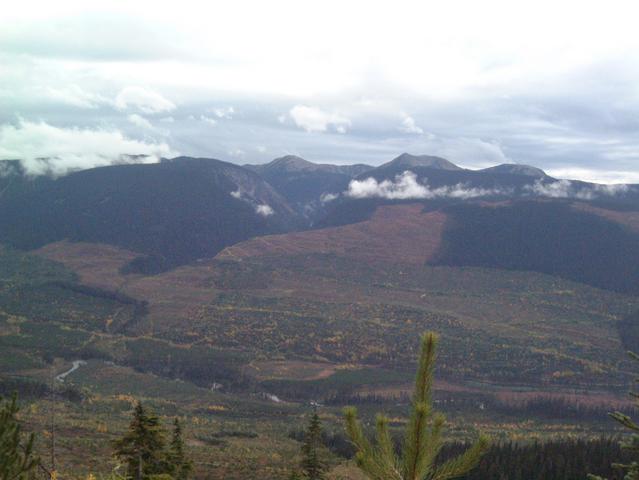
(180, 210)
(163, 267)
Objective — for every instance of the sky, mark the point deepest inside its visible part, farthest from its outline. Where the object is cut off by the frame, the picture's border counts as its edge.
(550, 84)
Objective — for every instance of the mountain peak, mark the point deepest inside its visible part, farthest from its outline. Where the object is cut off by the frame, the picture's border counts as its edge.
(295, 164)
(410, 161)
(516, 169)
(292, 163)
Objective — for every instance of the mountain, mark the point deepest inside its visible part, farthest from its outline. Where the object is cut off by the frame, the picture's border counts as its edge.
(171, 212)
(292, 164)
(439, 172)
(184, 209)
(408, 161)
(516, 169)
(303, 183)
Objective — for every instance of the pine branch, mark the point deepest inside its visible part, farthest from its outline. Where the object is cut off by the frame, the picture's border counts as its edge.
(423, 438)
(462, 464)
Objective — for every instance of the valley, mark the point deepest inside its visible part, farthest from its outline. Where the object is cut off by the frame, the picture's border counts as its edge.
(245, 336)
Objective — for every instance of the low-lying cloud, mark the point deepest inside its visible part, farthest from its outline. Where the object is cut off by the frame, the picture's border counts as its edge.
(569, 189)
(406, 186)
(264, 210)
(45, 149)
(261, 209)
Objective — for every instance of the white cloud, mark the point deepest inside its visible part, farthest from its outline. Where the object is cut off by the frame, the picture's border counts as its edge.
(209, 120)
(612, 189)
(468, 82)
(313, 119)
(596, 176)
(237, 194)
(264, 210)
(328, 197)
(142, 99)
(408, 126)
(568, 189)
(47, 149)
(139, 121)
(226, 112)
(167, 120)
(406, 186)
(75, 96)
(281, 118)
(261, 148)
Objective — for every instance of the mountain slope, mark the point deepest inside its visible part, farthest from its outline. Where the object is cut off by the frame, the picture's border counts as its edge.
(574, 241)
(544, 236)
(175, 211)
(303, 183)
(516, 169)
(395, 234)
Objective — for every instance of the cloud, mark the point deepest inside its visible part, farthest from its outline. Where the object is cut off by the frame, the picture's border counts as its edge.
(226, 112)
(558, 189)
(264, 210)
(595, 176)
(612, 189)
(47, 149)
(167, 120)
(236, 153)
(66, 64)
(408, 126)
(568, 189)
(75, 96)
(313, 119)
(209, 120)
(328, 197)
(139, 121)
(6, 169)
(406, 186)
(142, 99)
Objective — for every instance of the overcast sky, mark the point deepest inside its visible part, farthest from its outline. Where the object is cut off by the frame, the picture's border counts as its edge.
(552, 84)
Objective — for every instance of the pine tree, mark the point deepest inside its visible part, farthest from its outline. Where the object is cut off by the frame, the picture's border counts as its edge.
(312, 467)
(17, 459)
(632, 445)
(142, 447)
(423, 439)
(180, 466)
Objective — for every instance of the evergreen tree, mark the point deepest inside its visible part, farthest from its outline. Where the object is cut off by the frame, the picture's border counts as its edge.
(17, 460)
(312, 467)
(632, 445)
(423, 439)
(180, 466)
(142, 447)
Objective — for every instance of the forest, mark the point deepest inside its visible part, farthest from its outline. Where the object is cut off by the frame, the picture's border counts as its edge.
(147, 449)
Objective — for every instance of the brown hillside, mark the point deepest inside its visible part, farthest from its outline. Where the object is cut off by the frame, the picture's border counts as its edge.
(395, 233)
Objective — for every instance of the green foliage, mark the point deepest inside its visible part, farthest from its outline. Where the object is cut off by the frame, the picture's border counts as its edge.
(423, 439)
(142, 447)
(179, 464)
(17, 459)
(632, 444)
(312, 466)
